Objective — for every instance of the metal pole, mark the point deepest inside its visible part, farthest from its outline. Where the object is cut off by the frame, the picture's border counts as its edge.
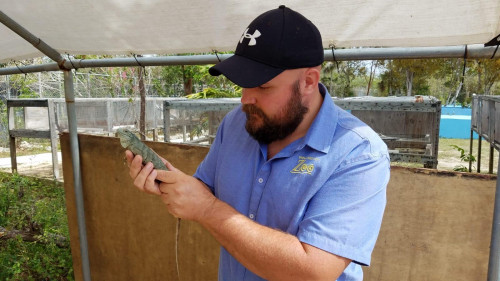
(75, 157)
(477, 51)
(494, 262)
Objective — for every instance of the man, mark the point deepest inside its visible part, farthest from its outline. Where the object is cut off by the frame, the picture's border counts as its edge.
(293, 187)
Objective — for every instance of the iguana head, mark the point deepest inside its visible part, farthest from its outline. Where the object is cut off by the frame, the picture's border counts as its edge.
(126, 137)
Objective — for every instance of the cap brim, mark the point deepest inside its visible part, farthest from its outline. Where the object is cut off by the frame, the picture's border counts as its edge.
(245, 72)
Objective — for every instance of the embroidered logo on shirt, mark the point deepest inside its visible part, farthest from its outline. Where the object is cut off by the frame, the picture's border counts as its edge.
(304, 166)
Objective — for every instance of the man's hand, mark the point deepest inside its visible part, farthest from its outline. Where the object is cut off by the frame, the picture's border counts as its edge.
(185, 196)
(143, 175)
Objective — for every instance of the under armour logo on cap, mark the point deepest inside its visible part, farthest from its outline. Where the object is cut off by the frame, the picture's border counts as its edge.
(252, 37)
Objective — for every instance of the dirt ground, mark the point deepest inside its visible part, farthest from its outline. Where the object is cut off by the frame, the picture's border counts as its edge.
(39, 171)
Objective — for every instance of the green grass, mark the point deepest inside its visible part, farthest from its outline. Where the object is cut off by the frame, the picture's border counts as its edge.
(448, 153)
(37, 207)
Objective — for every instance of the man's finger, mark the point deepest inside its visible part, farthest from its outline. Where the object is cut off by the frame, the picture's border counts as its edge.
(135, 166)
(170, 166)
(142, 176)
(151, 186)
(129, 156)
(166, 176)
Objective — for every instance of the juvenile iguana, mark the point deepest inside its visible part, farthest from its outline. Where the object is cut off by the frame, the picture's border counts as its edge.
(131, 142)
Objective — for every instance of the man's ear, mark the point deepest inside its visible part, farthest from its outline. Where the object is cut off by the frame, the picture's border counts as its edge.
(311, 78)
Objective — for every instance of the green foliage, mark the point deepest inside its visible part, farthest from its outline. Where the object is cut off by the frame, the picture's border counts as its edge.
(339, 77)
(21, 84)
(464, 158)
(401, 75)
(211, 93)
(37, 207)
(180, 80)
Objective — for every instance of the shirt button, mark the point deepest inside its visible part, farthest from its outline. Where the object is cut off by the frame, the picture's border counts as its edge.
(252, 216)
(261, 180)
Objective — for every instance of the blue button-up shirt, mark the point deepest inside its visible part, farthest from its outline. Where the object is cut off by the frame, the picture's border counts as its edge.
(327, 188)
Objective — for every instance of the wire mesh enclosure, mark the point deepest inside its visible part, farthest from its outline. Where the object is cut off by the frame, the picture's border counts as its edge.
(195, 121)
(408, 125)
(108, 114)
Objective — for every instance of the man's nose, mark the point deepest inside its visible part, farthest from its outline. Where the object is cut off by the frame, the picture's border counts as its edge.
(248, 96)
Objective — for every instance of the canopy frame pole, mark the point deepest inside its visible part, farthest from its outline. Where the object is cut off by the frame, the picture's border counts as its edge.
(473, 52)
(75, 157)
(75, 152)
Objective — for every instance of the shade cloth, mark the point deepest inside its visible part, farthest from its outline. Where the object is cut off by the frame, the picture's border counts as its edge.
(164, 27)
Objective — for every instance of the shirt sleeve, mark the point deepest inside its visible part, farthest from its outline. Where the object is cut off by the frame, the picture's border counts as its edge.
(206, 171)
(345, 215)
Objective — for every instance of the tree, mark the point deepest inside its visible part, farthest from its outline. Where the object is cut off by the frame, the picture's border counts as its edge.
(339, 76)
(373, 68)
(487, 73)
(410, 74)
(390, 80)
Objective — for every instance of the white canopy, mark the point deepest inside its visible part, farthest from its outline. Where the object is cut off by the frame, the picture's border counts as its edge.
(199, 26)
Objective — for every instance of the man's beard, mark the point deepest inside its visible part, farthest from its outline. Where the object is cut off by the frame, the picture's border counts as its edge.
(276, 128)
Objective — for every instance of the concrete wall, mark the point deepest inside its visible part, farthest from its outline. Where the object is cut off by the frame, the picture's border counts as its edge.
(437, 225)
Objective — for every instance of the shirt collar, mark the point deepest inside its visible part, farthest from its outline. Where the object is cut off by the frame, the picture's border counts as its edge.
(320, 134)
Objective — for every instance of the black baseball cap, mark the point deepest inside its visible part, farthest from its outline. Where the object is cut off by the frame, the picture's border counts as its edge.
(277, 40)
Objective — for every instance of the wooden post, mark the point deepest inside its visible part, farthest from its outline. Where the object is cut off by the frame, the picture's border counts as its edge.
(490, 166)
(166, 122)
(184, 131)
(155, 133)
(470, 149)
(13, 160)
(109, 116)
(142, 90)
(53, 138)
(12, 139)
(479, 154)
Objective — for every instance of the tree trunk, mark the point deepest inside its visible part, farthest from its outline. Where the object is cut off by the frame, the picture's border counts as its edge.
(372, 73)
(409, 82)
(188, 82)
(479, 82)
(188, 86)
(347, 87)
(142, 91)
